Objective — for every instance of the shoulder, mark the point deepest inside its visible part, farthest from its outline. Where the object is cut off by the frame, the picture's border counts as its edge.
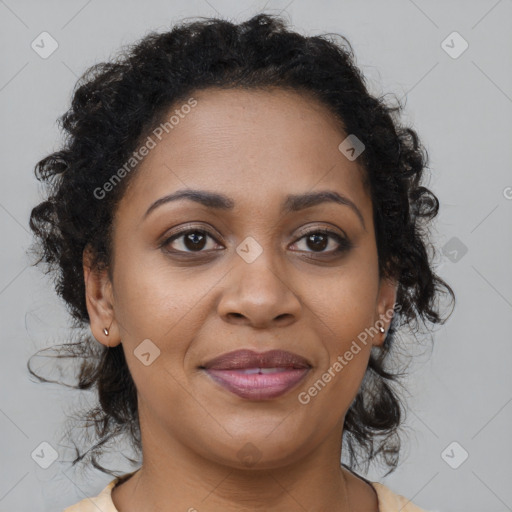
(391, 502)
(103, 501)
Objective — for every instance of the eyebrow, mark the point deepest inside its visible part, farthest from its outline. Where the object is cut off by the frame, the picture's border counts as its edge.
(292, 203)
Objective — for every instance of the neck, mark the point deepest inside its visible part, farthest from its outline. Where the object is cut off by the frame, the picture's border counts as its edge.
(175, 477)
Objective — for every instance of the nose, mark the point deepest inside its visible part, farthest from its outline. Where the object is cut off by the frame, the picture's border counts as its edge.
(258, 295)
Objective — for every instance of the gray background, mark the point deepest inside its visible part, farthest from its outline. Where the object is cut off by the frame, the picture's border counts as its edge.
(462, 110)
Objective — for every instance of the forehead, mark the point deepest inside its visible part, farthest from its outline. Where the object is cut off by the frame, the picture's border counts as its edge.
(252, 145)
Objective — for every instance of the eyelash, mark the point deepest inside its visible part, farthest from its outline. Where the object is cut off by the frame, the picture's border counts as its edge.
(344, 244)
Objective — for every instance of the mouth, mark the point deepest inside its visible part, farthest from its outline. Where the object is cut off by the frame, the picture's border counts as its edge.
(258, 376)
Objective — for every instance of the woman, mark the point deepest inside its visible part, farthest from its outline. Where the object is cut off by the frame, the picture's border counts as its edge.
(242, 226)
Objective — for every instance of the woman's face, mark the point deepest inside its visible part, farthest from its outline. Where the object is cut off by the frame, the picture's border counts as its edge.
(259, 280)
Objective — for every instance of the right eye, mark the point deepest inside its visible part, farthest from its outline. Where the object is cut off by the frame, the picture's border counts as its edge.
(190, 240)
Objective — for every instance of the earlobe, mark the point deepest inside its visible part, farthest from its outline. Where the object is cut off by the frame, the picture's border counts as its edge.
(385, 308)
(99, 302)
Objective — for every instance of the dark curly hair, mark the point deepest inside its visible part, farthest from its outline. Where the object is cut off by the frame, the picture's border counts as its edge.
(116, 104)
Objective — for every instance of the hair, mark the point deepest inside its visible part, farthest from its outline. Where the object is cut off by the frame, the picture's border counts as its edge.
(116, 104)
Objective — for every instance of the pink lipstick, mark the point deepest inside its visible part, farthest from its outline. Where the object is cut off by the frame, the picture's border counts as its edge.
(258, 376)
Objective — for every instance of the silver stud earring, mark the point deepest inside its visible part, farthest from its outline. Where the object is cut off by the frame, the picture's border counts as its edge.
(105, 331)
(381, 329)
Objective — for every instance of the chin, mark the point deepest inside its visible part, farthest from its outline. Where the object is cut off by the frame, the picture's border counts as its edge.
(259, 452)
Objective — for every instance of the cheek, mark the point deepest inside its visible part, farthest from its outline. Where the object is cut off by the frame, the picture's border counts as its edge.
(346, 309)
(336, 383)
(155, 302)
(346, 302)
(148, 296)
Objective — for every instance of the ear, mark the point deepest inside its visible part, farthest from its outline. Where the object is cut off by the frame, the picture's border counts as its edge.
(99, 301)
(384, 310)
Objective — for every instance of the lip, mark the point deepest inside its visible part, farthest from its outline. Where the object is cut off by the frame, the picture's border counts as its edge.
(258, 376)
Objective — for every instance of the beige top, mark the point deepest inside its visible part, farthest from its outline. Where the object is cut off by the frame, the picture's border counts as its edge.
(388, 501)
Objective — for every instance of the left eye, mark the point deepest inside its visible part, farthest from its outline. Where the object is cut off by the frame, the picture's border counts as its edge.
(318, 240)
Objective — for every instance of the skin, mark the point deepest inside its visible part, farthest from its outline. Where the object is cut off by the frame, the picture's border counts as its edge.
(256, 147)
